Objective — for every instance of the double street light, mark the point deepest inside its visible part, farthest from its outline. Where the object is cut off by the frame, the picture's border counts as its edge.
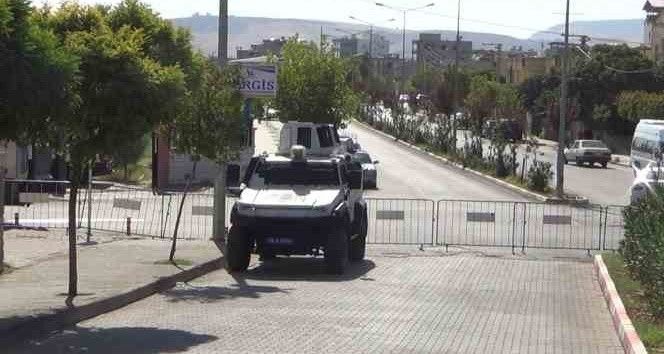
(404, 11)
(371, 31)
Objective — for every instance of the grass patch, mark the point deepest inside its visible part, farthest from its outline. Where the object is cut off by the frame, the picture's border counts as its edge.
(650, 329)
(177, 261)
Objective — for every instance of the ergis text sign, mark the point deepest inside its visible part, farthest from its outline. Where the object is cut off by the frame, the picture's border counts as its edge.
(258, 81)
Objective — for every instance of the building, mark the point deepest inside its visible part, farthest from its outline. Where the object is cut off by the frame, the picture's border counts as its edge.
(359, 45)
(268, 47)
(515, 68)
(654, 28)
(431, 49)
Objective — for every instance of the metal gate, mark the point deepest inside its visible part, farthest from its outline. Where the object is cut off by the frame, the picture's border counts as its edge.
(521, 225)
(401, 221)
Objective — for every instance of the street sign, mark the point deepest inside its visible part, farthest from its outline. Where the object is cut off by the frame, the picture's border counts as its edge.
(258, 80)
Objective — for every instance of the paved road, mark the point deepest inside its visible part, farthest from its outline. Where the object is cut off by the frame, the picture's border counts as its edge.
(602, 186)
(397, 302)
(409, 174)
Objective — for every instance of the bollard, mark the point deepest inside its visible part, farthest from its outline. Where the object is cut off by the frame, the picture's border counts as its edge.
(128, 226)
(16, 219)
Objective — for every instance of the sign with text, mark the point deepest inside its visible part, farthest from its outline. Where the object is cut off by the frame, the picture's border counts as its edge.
(258, 80)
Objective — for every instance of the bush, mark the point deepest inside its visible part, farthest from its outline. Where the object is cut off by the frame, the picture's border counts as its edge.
(643, 248)
(539, 175)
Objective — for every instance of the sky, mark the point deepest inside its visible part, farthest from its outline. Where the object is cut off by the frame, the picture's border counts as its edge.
(518, 18)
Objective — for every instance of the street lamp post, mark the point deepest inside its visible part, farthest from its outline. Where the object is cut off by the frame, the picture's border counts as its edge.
(560, 168)
(405, 11)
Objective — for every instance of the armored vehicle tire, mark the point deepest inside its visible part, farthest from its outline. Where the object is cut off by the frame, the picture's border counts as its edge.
(238, 250)
(336, 251)
(358, 245)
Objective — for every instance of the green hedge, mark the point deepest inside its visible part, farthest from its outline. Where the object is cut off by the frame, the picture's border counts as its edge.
(643, 248)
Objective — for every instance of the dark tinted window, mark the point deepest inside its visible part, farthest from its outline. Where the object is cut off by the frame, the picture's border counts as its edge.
(296, 174)
(325, 137)
(304, 137)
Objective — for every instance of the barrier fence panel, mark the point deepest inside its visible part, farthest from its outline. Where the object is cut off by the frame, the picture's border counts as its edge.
(518, 225)
(476, 223)
(561, 226)
(401, 221)
(614, 228)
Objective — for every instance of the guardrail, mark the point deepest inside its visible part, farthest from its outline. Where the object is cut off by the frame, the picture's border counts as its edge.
(515, 225)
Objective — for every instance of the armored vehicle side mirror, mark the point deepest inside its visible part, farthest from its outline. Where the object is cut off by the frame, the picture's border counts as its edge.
(235, 191)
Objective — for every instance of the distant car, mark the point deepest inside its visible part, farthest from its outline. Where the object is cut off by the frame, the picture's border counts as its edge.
(645, 183)
(369, 168)
(588, 151)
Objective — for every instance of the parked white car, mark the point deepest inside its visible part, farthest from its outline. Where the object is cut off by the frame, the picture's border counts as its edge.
(588, 151)
(369, 168)
(645, 183)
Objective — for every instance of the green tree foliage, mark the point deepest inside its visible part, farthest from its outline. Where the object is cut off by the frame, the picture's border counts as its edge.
(35, 80)
(643, 248)
(637, 105)
(213, 126)
(314, 85)
(122, 94)
(439, 85)
(488, 98)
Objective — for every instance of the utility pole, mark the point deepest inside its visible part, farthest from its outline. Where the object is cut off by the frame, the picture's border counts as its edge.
(403, 59)
(455, 88)
(222, 51)
(219, 202)
(560, 170)
(371, 30)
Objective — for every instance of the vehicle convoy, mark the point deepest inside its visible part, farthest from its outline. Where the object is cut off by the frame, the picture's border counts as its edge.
(299, 204)
(369, 168)
(588, 151)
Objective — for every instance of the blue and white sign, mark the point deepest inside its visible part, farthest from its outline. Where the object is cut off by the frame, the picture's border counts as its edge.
(258, 81)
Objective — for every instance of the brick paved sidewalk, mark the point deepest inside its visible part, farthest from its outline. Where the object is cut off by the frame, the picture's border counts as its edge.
(113, 266)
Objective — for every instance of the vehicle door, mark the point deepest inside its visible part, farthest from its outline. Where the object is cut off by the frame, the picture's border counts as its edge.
(573, 151)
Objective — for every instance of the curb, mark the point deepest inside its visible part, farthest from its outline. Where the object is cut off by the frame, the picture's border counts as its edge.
(623, 325)
(62, 318)
(522, 191)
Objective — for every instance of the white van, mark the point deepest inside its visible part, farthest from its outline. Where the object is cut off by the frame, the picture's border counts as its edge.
(648, 143)
(319, 139)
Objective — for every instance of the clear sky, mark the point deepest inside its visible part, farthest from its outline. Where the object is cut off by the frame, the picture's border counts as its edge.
(520, 17)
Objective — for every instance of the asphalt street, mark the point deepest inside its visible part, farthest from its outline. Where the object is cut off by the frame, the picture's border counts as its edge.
(608, 186)
(405, 173)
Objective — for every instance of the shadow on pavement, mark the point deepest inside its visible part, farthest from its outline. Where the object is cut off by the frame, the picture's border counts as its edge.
(140, 340)
(209, 294)
(304, 269)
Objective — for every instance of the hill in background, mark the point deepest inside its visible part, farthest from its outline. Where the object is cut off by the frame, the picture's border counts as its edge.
(626, 30)
(245, 31)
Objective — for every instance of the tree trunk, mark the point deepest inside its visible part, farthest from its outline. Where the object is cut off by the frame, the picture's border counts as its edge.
(126, 173)
(219, 219)
(2, 218)
(171, 257)
(73, 262)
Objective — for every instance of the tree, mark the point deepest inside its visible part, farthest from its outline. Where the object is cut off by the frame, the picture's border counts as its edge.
(637, 105)
(314, 85)
(35, 86)
(130, 154)
(213, 126)
(122, 95)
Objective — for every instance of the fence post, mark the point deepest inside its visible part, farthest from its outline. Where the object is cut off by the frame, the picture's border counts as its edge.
(525, 223)
(16, 219)
(128, 226)
(514, 228)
